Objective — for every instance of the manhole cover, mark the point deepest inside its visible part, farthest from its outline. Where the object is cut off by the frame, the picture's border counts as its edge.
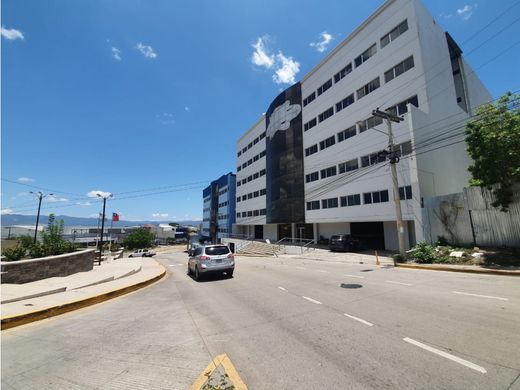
(28, 304)
(366, 270)
(350, 285)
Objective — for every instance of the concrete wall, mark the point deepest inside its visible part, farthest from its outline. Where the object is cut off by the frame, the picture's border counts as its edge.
(24, 271)
(328, 229)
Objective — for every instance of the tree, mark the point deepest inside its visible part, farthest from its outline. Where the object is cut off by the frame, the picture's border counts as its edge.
(139, 238)
(493, 142)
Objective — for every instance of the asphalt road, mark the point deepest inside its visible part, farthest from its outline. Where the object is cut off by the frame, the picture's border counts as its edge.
(284, 324)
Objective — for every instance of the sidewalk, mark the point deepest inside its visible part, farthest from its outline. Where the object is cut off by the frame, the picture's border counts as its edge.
(28, 302)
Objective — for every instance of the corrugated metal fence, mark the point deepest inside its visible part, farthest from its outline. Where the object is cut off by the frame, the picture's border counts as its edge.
(468, 218)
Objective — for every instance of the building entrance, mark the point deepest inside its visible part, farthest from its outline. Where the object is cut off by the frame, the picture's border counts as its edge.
(371, 233)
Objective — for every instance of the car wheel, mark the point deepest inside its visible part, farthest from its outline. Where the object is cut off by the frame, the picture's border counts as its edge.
(130, 256)
(230, 273)
(189, 270)
(197, 274)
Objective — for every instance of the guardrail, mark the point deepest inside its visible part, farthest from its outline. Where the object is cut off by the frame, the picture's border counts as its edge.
(301, 242)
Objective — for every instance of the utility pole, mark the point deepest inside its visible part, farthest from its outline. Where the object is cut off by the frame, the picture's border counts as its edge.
(104, 197)
(394, 159)
(40, 196)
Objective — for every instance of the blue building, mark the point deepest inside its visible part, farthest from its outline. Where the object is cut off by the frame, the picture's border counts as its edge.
(218, 214)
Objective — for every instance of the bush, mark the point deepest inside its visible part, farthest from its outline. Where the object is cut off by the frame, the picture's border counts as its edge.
(14, 254)
(442, 241)
(138, 239)
(423, 253)
(399, 258)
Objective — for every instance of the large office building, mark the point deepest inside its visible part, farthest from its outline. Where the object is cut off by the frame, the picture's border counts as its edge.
(218, 214)
(316, 163)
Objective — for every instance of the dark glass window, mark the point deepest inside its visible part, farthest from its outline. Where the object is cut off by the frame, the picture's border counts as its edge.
(311, 150)
(405, 192)
(310, 124)
(399, 69)
(347, 133)
(329, 203)
(345, 102)
(348, 166)
(217, 250)
(326, 114)
(328, 172)
(365, 55)
(368, 88)
(311, 177)
(314, 205)
(326, 143)
(343, 72)
(325, 86)
(309, 99)
(401, 108)
(392, 35)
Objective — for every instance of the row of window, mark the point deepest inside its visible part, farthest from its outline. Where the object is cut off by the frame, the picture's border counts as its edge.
(222, 216)
(359, 60)
(402, 149)
(223, 204)
(223, 191)
(252, 177)
(381, 196)
(251, 160)
(251, 213)
(250, 145)
(251, 195)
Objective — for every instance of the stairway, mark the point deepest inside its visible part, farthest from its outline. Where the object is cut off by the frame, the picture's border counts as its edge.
(259, 249)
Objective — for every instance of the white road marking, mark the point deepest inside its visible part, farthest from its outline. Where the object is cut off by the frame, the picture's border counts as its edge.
(480, 296)
(281, 288)
(325, 272)
(172, 265)
(354, 276)
(358, 319)
(312, 300)
(402, 284)
(454, 358)
(180, 264)
(301, 267)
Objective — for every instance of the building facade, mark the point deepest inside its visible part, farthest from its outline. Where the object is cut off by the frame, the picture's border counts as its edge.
(317, 164)
(218, 214)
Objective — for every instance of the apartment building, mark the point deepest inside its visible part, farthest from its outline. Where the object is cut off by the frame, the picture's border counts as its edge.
(218, 214)
(317, 164)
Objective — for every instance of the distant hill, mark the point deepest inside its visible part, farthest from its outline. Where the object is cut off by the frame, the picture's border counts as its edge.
(18, 219)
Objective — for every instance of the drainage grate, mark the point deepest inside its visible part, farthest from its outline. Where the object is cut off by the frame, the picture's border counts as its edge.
(350, 285)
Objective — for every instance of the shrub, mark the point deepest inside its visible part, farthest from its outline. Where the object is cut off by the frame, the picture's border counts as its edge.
(423, 253)
(399, 258)
(442, 241)
(14, 254)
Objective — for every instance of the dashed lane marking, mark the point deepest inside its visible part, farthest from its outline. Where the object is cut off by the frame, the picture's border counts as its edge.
(480, 296)
(446, 355)
(301, 267)
(354, 276)
(312, 300)
(322, 271)
(358, 319)
(400, 283)
(281, 288)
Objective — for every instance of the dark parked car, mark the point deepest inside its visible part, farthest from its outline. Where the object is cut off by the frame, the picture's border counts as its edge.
(344, 243)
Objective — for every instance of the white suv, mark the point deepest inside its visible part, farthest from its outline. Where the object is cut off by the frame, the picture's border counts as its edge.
(142, 253)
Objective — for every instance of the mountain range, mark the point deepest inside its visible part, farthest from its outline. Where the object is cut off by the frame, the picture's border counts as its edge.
(19, 219)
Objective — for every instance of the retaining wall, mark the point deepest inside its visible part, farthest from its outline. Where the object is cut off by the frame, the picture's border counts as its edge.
(24, 271)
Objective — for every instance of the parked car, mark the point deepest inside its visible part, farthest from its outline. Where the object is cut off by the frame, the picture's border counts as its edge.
(142, 253)
(344, 243)
(211, 259)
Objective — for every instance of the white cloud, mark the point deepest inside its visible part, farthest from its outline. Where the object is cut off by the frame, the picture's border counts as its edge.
(11, 34)
(146, 50)
(159, 215)
(187, 108)
(54, 198)
(166, 118)
(261, 57)
(116, 53)
(285, 73)
(94, 194)
(445, 16)
(6, 211)
(25, 179)
(466, 12)
(84, 204)
(322, 45)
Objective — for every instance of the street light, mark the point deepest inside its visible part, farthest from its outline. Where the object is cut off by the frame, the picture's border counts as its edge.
(104, 197)
(40, 196)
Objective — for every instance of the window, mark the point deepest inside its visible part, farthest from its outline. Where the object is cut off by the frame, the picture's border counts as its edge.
(347, 133)
(365, 55)
(256, 175)
(329, 203)
(311, 177)
(239, 168)
(348, 166)
(311, 150)
(238, 199)
(244, 181)
(262, 135)
(369, 123)
(327, 142)
(405, 192)
(250, 195)
(375, 197)
(372, 158)
(325, 86)
(263, 211)
(244, 165)
(314, 205)
(368, 88)
(239, 153)
(255, 141)
(401, 108)
(250, 161)
(249, 145)
(392, 35)
(263, 191)
(328, 172)
(256, 194)
(244, 214)
(256, 158)
(343, 72)
(249, 178)
(244, 197)
(239, 183)
(345, 102)
(244, 150)
(309, 99)
(238, 215)
(262, 172)
(350, 200)
(399, 69)
(310, 124)
(250, 213)
(262, 153)
(325, 114)
(256, 213)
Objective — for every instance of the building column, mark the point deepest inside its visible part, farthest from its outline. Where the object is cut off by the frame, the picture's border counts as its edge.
(294, 233)
(316, 232)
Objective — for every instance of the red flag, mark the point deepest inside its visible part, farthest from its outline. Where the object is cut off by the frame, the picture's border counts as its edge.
(115, 217)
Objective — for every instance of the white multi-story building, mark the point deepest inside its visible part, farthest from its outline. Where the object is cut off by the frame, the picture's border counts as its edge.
(218, 214)
(313, 167)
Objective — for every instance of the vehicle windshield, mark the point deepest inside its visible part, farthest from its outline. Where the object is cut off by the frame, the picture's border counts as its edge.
(217, 250)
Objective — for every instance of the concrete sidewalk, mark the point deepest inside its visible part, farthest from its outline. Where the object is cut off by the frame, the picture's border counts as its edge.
(24, 303)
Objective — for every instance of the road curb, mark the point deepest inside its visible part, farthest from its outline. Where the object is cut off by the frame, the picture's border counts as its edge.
(472, 271)
(26, 318)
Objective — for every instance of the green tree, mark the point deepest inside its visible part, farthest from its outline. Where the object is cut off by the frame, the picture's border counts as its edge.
(52, 242)
(139, 238)
(493, 142)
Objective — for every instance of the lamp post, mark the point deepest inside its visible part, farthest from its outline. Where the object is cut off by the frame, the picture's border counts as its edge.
(40, 195)
(104, 197)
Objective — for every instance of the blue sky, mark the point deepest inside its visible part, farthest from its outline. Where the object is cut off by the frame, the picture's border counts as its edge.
(146, 99)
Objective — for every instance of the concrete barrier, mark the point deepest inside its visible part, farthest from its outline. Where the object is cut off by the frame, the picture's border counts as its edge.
(24, 271)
